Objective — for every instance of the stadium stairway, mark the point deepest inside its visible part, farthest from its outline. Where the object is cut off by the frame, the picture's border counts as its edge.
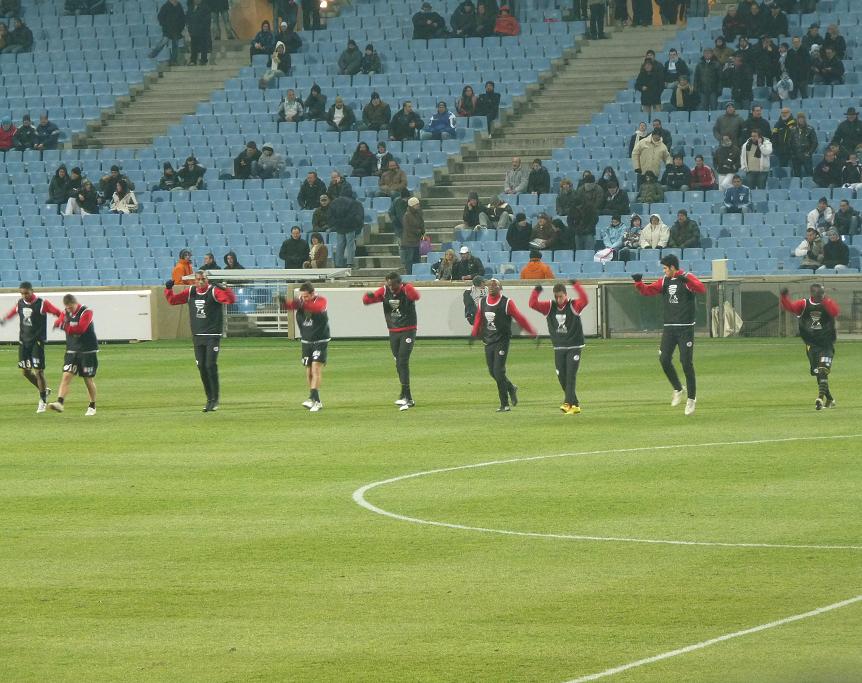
(165, 100)
(568, 97)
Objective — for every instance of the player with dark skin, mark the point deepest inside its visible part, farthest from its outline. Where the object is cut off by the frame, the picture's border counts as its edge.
(817, 315)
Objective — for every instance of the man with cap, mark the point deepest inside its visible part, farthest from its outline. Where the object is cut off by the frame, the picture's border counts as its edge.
(243, 164)
(848, 134)
(494, 322)
(816, 315)
(290, 38)
(399, 310)
(468, 266)
(441, 125)
(108, 184)
(428, 24)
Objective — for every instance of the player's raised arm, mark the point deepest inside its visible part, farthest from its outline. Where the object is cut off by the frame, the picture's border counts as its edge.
(581, 302)
(315, 305)
(375, 297)
(831, 307)
(411, 292)
(693, 283)
(543, 307)
(176, 298)
(48, 307)
(653, 289)
(224, 295)
(789, 305)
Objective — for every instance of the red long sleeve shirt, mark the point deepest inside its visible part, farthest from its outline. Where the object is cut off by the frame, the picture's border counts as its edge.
(223, 296)
(315, 305)
(85, 321)
(798, 306)
(692, 283)
(511, 309)
(544, 307)
(47, 307)
(379, 296)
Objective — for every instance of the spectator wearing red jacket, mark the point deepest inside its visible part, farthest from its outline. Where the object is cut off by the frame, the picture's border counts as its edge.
(7, 134)
(506, 24)
(702, 176)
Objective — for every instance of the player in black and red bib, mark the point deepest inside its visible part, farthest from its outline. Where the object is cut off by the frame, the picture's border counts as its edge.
(678, 290)
(399, 310)
(32, 312)
(563, 316)
(494, 321)
(206, 304)
(313, 322)
(82, 352)
(817, 316)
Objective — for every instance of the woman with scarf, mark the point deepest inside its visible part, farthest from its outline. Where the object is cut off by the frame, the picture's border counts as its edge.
(124, 200)
(638, 135)
(363, 161)
(318, 253)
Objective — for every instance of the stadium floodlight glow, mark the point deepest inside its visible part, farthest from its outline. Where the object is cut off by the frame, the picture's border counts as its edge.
(324, 4)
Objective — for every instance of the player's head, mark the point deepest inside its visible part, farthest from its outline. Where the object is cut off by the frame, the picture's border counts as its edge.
(494, 287)
(560, 293)
(393, 281)
(670, 264)
(70, 303)
(817, 292)
(306, 291)
(201, 279)
(26, 289)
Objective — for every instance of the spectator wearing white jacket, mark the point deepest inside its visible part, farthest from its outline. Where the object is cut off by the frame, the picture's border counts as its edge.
(655, 234)
(822, 217)
(754, 160)
(124, 200)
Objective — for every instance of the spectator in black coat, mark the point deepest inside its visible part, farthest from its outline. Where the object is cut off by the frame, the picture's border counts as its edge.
(650, 85)
(519, 234)
(836, 254)
(488, 104)
(851, 172)
(191, 175)
(798, 67)
(244, 161)
(363, 161)
(848, 134)
(463, 20)
(674, 67)
(677, 176)
(199, 21)
(309, 192)
(406, 123)
(828, 70)
(828, 172)
(539, 180)
(428, 24)
(26, 136)
(836, 41)
(756, 122)
(47, 134)
(468, 266)
(58, 188)
(346, 216)
(616, 202)
(739, 78)
(340, 117)
(294, 250)
(19, 39)
(172, 19)
(290, 38)
(732, 26)
(169, 180)
(315, 105)
(766, 63)
(776, 24)
(707, 81)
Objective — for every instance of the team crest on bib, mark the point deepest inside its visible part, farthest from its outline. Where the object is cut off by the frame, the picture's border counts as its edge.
(561, 323)
(489, 318)
(200, 310)
(671, 293)
(27, 313)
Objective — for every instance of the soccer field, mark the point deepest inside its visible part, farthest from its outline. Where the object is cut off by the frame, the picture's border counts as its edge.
(156, 542)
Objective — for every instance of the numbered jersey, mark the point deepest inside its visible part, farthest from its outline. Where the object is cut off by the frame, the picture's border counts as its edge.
(497, 321)
(678, 302)
(205, 313)
(565, 328)
(816, 325)
(33, 323)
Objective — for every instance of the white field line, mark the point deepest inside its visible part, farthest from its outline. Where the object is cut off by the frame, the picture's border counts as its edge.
(714, 641)
(360, 499)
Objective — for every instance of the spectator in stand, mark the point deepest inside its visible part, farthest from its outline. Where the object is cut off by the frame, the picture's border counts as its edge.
(291, 108)
(7, 134)
(782, 135)
(743, 49)
(677, 176)
(318, 253)
(754, 160)
(269, 164)
(370, 61)
(320, 217)
(640, 133)
(631, 239)
(376, 115)
(311, 15)
(828, 70)
(589, 200)
(516, 178)
(279, 65)
(406, 123)
(642, 11)
(803, 144)
(442, 270)
(519, 234)
(340, 117)
(381, 158)
(616, 200)
(497, 214)
(756, 21)
(565, 198)
(608, 175)
(684, 233)
(539, 180)
(199, 24)
(309, 192)
(739, 78)
(58, 188)
(851, 172)
(506, 23)
(288, 36)
(183, 267)
(775, 23)
(666, 137)
(346, 217)
(470, 217)
(108, 183)
(611, 236)
(263, 42)
(172, 20)
(737, 197)
(392, 181)
(463, 20)
(783, 87)
(828, 172)
(726, 161)
(846, 220)
(315, 105)
(702, 176)
(722, 53)
(650, 85)
(427, 24)
(294, 250)
(488, 104)
(468, 266)
(835, 40)
(414, 231)
(485, 21)
(535, 269)
(651, 191)
(339, 187)
(47, 134)
(123, 200)
(466, 104)
(798, 66)
(209, 262)
(766, 64)
(756, 122)
(649, 154)
(441, 125)
(836, 254)
(191, 175)
(674, 67)
(25, 137)
(10, 8)
(655, 235)
(683, 97)
(848, 134)
(821, 217)
(362, 162)
(707, 80)
(244, 161)
(231, 262)
(597, 19)
(545, 234)
(350, 61)
(810, 250)
(812, 38)
(729, 124)
(19, 39)
(85, 201)
(733, 26)
(170, 180)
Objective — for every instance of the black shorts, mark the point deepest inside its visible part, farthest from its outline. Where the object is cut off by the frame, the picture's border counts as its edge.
(81, 364)
(819, 354)
(314, 352)
(31, 355)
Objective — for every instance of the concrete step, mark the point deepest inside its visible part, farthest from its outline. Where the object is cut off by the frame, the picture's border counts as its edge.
(385, 263)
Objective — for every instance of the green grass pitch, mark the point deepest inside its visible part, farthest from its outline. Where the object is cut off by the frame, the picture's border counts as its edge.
(156, 543)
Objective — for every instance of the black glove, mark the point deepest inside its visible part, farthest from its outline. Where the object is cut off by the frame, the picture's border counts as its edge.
(538, 289)
(169, 284)
(785, 291)
(637, 277)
